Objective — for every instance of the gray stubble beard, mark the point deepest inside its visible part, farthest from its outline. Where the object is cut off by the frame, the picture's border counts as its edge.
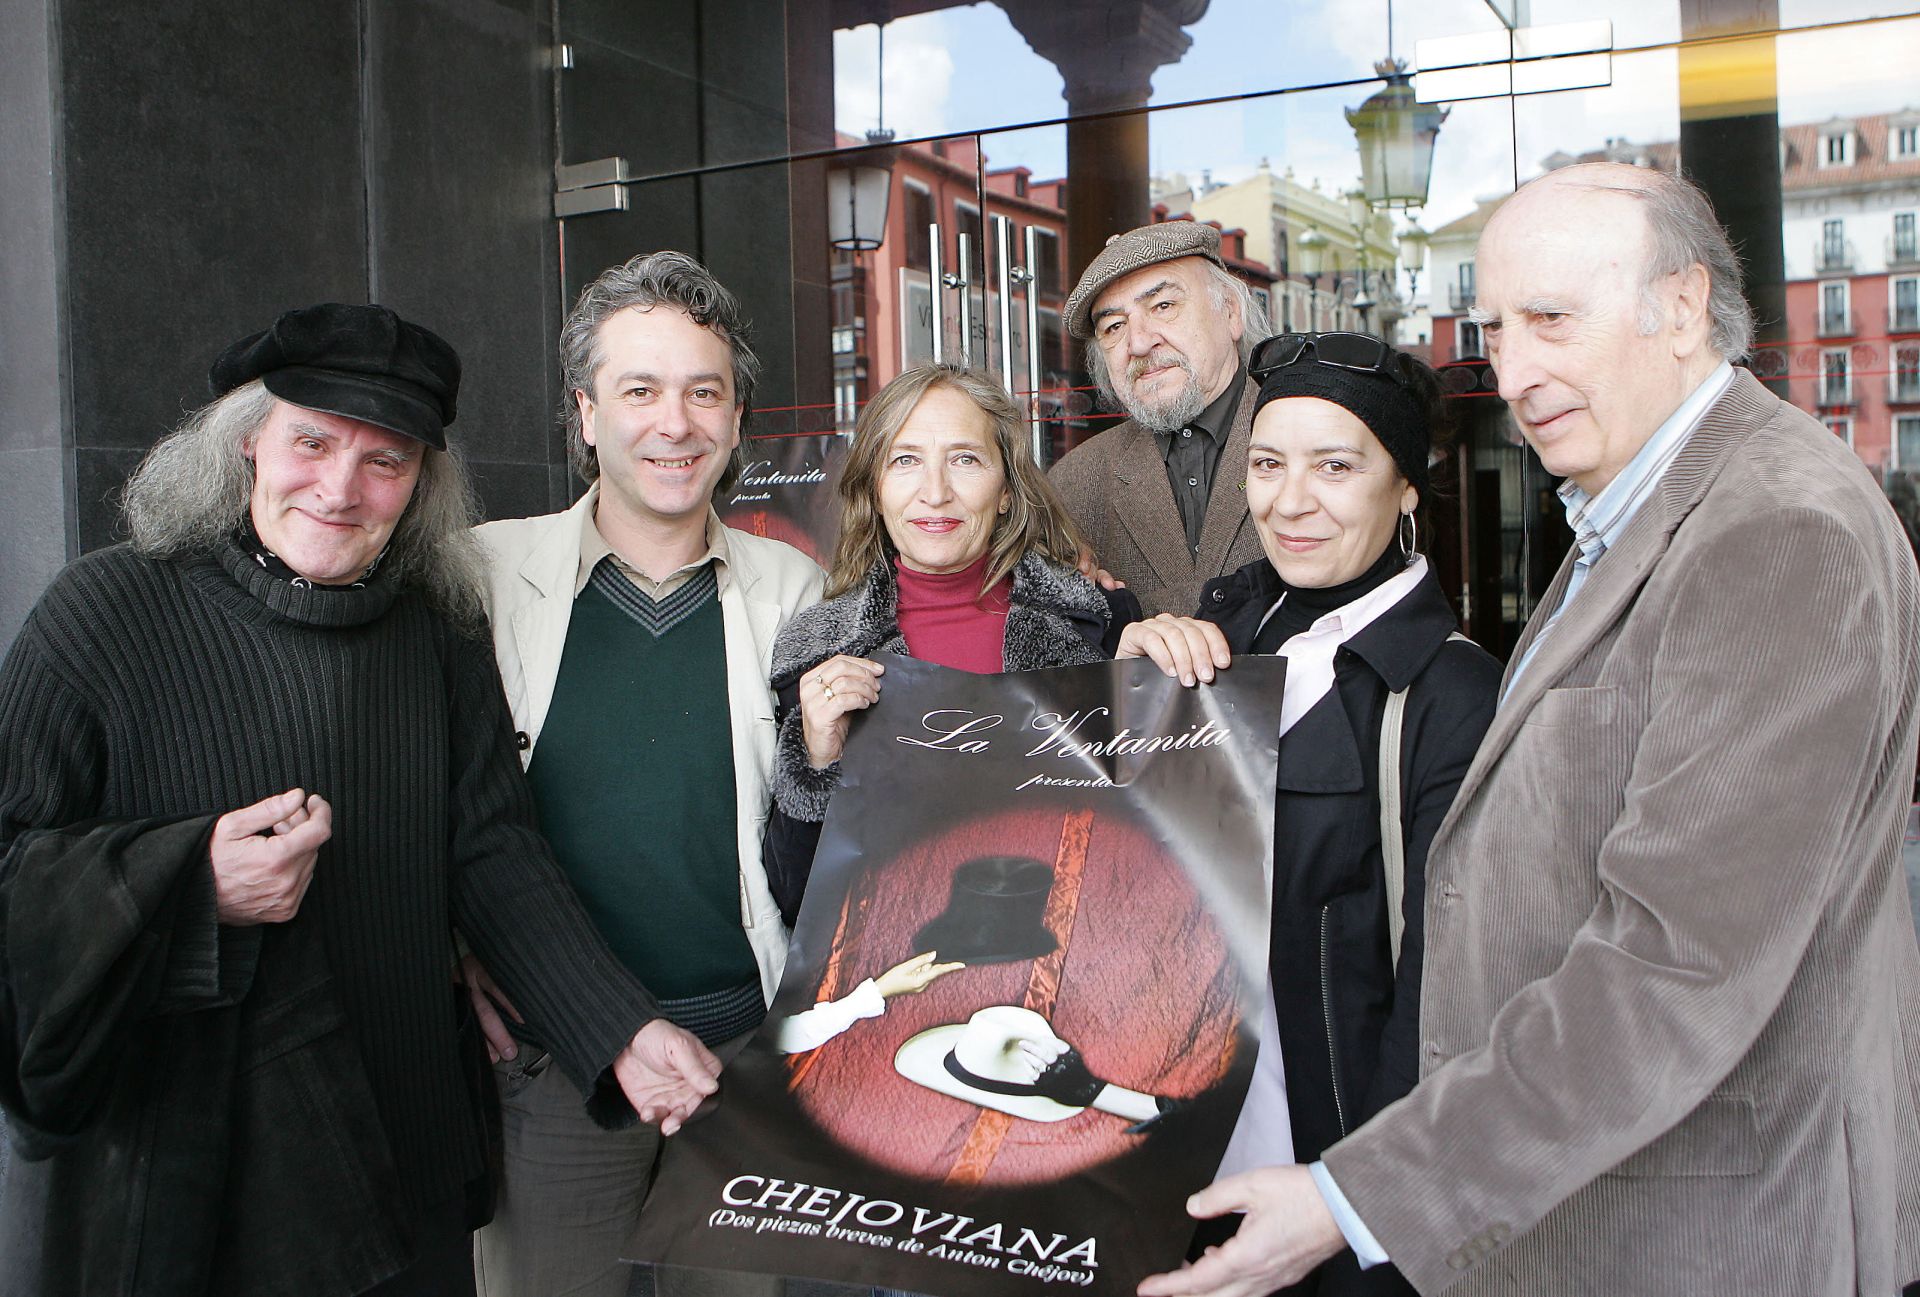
(1175, 413)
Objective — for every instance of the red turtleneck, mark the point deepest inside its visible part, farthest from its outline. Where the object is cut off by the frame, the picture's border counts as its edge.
(946, 619)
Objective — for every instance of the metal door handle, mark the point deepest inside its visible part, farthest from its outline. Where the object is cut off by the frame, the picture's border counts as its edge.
(936, 287)
(1029, 276)
(962, 280)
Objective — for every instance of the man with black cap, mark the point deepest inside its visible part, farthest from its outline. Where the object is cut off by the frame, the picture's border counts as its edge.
(1168, 331)
(258, 769)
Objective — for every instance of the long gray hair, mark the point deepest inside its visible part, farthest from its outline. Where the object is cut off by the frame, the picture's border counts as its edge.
(1223, 289)
(195, 485)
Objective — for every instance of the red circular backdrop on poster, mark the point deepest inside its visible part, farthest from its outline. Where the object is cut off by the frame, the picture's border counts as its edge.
(1143, 987)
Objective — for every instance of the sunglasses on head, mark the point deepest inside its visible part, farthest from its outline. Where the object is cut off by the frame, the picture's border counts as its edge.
(1360, 352)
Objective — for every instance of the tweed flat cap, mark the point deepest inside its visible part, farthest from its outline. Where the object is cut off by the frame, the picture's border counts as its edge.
(361, 362)
(1125, 253)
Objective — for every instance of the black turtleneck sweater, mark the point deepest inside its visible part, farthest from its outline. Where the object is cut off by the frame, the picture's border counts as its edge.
(160, 694)
(1302, 606)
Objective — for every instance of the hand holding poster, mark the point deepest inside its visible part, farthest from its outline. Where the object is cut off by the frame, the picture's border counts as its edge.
(1018, 1015)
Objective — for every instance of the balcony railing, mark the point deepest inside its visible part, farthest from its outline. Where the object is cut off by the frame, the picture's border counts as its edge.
(1460, 297)
(1903, 252)
(1836, 391)
(1833, 256)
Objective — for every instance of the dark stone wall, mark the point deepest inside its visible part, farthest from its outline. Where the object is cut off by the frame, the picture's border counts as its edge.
(35, 481)
(209, 165)
(460, 212)
(673, 85)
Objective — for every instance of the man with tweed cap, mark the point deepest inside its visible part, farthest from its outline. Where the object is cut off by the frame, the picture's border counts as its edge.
(1168, 332)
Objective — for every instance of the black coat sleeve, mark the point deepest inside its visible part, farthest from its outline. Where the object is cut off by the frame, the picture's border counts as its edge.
(800, 796)
(1123, 610)
(515, 907)
(104, 922)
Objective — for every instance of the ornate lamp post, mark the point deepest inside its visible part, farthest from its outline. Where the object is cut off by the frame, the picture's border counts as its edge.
(1311, 257)
(1396, 134)
(1413, 252)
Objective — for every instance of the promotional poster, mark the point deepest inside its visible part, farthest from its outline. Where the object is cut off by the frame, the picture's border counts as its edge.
(1019, 1014)
(785, 491)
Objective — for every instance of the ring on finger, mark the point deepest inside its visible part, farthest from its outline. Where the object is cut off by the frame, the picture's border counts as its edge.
(826, 689)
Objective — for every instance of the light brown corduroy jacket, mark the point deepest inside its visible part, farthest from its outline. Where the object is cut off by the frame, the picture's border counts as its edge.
(1116, 490)
(1671, 1017)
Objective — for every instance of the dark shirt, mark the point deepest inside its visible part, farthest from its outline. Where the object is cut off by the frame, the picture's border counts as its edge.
(1192, 454)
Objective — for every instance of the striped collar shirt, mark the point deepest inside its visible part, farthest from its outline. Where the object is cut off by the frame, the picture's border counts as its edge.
(594, 550)
(1598, 520)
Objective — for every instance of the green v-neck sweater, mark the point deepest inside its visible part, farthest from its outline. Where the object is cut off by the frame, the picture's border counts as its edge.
(633, 780)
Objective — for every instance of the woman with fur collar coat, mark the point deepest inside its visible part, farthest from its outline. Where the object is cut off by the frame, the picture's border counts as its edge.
(953, 549)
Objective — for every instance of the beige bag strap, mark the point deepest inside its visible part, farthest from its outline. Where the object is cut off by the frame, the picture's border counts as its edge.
(1393, 846)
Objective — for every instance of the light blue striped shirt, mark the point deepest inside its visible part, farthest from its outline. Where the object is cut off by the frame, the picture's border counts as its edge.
(1598, 520)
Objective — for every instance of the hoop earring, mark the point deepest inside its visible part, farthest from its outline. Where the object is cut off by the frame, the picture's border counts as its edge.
(1409, 537)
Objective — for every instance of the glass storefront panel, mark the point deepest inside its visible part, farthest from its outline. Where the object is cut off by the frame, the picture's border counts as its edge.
(988, 67)
(1806, 135)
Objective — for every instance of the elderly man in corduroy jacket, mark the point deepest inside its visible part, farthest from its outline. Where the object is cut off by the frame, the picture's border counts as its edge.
(1670, 1029)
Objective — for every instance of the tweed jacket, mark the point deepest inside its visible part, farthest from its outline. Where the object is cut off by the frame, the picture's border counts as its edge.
(531, 568)
(1670, 1032)
(1115, 487)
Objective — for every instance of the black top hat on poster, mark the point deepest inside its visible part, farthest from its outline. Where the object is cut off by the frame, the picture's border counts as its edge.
(996, 913)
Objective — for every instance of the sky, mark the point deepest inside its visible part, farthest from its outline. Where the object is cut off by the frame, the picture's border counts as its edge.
(968, 69)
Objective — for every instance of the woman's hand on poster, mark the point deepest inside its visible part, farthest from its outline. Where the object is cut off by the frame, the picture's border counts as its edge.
(1183, 647)
(829, 695)
(1288, 1231)
(912, 976)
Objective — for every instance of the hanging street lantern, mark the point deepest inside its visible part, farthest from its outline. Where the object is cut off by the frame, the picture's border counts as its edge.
(1413, 254)
(858, 187)
(1310, 255)
(1396, 135)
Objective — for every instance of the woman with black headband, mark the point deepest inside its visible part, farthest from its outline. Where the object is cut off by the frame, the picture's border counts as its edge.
(1384, 708)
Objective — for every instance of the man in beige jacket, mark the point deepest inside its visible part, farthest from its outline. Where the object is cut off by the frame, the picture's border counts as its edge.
(1671, 1025)
(634, 633)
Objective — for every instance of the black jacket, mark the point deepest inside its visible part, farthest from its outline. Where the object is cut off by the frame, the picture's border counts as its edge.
(204, 1109)
(1348, 1020)
(1056, 617)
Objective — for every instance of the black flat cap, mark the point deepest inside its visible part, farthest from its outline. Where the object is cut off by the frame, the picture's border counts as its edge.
(359, 362)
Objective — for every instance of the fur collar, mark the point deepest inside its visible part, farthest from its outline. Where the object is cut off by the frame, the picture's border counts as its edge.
(1057, 618)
